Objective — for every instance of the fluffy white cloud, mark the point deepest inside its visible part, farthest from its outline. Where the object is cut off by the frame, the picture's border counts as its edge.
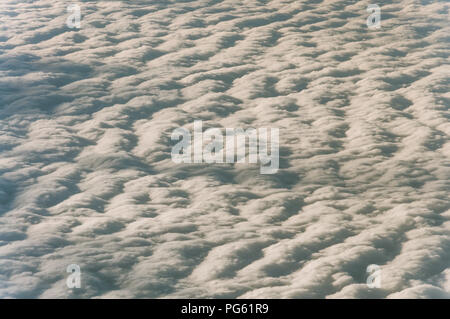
(86, 176)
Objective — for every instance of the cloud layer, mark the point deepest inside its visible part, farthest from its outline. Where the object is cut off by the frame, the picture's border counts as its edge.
(85, 170)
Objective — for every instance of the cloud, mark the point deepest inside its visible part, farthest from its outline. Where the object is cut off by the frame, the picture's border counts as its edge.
(85, 170)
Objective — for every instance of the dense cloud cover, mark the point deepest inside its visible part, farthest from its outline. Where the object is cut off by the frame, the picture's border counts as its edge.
(86, 175)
